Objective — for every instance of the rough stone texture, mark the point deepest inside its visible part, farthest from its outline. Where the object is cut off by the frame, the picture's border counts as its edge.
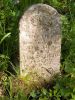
(40, 43)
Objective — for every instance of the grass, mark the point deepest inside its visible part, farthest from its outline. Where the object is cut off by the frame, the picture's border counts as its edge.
(63, 87)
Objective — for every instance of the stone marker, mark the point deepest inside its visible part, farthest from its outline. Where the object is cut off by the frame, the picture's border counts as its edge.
(40, 43)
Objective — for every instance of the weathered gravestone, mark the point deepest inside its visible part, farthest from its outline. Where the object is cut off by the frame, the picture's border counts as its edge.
(40, 43)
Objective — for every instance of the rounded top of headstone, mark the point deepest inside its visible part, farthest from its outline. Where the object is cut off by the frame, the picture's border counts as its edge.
(41, 16)
(42, 7)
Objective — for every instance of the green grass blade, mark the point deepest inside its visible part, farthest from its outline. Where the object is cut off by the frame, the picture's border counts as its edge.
(4, 37)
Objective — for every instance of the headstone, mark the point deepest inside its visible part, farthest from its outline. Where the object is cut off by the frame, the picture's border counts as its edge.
(40, 43)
